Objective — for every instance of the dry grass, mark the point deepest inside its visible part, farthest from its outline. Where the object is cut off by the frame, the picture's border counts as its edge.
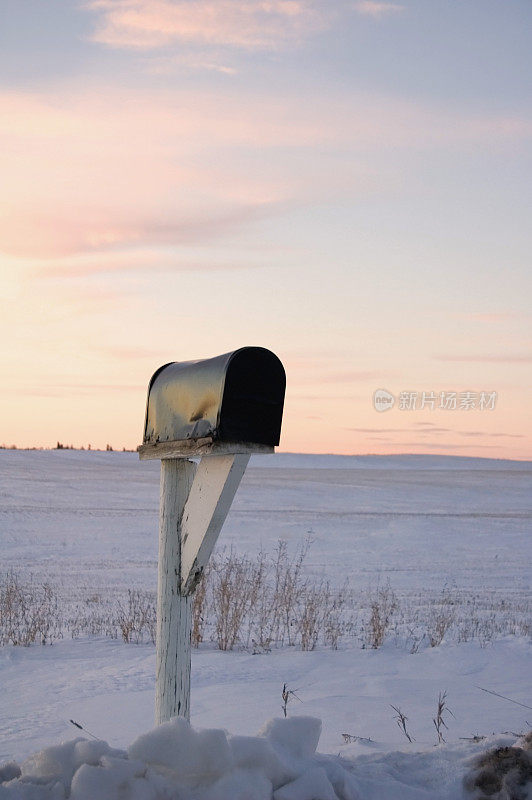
(236, 583)
(29, 612)
(502, 773)
(401, 720)
(200, 609)
(266, 602)
(137, 618)
(442, 710)
(383, 604)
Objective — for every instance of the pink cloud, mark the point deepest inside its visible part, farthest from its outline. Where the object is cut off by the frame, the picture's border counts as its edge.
(67, 233)
(79, 389)
(141, 262)
(104, 170)
(246, 24)
(433, 430)
(491, 435)
(441, 446)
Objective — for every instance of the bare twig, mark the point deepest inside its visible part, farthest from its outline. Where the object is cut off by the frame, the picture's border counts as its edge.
(517, 703)
(286, 694)
(401, 720)
(350, 737)
(81, 728)
(438, 720)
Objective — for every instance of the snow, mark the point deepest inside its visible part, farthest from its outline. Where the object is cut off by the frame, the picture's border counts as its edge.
(109, 688)
(89, 519)
(176, 762)
(298, 736)
(88, 523)
(312, 784)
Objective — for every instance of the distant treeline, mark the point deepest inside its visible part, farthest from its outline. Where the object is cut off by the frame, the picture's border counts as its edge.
(60, 446)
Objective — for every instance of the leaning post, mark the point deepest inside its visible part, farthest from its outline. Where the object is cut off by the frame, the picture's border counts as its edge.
(204, 419)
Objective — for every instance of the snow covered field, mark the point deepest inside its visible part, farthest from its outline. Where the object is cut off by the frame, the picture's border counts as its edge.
(87, 522)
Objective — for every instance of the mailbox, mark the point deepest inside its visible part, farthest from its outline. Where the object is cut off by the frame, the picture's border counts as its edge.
(233, 398)
(221, 410)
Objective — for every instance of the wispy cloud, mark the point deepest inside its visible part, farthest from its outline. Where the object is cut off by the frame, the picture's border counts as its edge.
(189, 61)
(502, 358)
(101, 170)
(244, 24)
(101, 234)
(153, 261)
(347, 376)
(78, 389)
(377, 10)
(443, 445)
(327, 398)
(377, 430)
(430, 431)
(435, 430)
(491, 435)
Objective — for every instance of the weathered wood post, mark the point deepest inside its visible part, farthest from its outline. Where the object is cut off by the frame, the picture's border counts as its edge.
(220, 411)
(174, 609)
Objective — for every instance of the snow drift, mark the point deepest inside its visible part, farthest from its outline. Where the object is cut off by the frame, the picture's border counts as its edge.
(176, 762)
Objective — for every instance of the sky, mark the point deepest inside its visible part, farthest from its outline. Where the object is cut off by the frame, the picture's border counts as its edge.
(345, 183)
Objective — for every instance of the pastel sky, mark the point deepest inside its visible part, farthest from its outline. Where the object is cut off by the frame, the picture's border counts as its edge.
(347, 183)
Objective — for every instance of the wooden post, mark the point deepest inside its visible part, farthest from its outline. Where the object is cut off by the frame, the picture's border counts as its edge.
(215, 483)
(213, 410)
(174, 610)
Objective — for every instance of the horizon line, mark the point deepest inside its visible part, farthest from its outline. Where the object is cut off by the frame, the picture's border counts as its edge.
(43, 448)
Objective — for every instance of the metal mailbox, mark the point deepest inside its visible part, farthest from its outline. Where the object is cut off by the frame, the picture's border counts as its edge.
(204, 420)
(237, 397)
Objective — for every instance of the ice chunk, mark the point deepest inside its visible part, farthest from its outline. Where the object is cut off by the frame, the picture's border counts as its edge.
(91, 751)
(299, 736)
(343, 783)
(252, 752)
(56, 763)
(110, 781)
(191, 756)
(311, 785)
(167, 745)
(214, 755)
(115, 777)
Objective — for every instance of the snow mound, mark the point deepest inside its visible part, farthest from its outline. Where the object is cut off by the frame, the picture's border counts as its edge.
(176, 762)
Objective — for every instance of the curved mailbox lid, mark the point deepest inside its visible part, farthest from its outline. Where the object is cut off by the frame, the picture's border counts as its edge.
(235, 397)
